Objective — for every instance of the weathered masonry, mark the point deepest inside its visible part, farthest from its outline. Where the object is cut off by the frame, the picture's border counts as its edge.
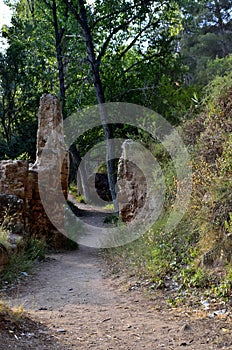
(20, 201)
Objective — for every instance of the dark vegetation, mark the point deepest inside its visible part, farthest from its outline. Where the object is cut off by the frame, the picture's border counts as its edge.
(174, 57)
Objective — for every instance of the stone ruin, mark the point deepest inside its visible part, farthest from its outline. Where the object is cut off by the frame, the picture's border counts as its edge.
(132, 185)
(21, 208)
(138, 197)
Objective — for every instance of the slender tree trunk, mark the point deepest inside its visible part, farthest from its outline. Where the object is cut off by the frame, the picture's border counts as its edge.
(95, 66)
(76, 158)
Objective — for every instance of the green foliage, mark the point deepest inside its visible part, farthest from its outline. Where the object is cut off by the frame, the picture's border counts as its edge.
(228, 224)
(224, 288)
(109, 206)
(138, 64)
(112, 219)
(24, 156)
(17, 264)
(177, 101)
(21, 261)
(206, 37)
(35, 249)
(191, 277)
(224, 163)
(74, 191)
(217, 89)
(220, 67)
(102, 168)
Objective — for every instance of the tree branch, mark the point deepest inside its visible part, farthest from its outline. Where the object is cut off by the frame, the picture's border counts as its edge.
(110, 36)
(110, 15)
(136, 38)
(77, 80)
(73, 10)
(146, 58)
(47, 3)
(152, 87)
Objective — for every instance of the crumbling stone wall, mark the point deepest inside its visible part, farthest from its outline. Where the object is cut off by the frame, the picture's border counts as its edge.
(20, 179)
(13, 183)
(13, 177)
(12, 212)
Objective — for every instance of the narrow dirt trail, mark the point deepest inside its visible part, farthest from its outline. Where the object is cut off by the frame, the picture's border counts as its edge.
(83, 310)
(74, 304)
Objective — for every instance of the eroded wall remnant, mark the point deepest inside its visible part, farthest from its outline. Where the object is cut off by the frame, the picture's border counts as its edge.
(131, 183)
(20, 179)
(140, 186)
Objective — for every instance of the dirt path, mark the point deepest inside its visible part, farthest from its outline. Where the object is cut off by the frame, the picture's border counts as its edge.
(72, 304)
(83, 310)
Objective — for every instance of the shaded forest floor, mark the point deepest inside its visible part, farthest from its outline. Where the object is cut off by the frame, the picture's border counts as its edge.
(72, 302)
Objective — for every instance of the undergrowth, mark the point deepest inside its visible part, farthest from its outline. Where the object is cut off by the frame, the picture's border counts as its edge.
(194, 260)
(22, 259)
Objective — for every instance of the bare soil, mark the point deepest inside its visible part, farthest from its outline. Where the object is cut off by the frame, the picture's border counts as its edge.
(72, 303)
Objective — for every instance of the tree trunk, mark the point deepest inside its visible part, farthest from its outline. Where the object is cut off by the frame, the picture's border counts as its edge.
(59, 33)
(95, 67)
